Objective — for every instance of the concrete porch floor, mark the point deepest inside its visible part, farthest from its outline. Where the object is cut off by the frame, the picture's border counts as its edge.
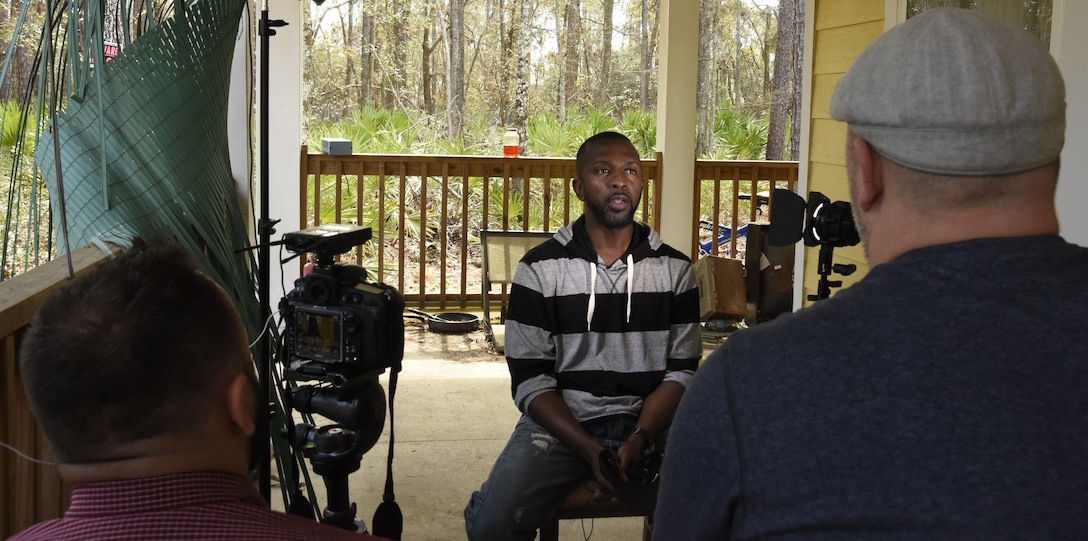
(454, 414)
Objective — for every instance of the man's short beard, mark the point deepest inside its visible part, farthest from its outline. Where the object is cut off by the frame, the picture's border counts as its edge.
(612, 221)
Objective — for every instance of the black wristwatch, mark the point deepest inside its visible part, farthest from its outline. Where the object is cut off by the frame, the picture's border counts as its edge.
(646, 435)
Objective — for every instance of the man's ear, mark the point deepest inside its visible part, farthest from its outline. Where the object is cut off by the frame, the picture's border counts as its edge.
(870, 181)
(242, 403)
(576, 185)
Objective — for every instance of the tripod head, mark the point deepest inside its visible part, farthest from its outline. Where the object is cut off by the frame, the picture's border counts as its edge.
(335, 451)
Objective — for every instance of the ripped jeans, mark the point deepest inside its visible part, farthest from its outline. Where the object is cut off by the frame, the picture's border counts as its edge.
(531, 477)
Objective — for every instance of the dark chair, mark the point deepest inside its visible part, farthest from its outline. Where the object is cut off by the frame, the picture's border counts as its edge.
(579, 504)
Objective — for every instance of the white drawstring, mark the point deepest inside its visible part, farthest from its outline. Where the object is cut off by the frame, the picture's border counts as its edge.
(630, 283)
(593, 289)
(592, 294)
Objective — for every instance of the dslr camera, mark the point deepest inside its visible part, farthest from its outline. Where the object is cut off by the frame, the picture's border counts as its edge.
(342, 332)
(337, 323)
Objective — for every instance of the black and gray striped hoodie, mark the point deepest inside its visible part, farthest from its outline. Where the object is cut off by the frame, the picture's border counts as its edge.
(604, 337)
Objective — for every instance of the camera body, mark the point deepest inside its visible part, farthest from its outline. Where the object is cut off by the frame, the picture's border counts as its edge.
(343, 324)
(336, 321)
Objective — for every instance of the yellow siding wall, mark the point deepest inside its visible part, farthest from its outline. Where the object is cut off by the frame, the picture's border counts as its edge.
(843, 28)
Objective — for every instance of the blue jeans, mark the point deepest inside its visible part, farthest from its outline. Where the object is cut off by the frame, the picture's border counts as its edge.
(531, 477)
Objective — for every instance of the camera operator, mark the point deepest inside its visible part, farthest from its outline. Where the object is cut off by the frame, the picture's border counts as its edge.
(943, 395)
(140, 375)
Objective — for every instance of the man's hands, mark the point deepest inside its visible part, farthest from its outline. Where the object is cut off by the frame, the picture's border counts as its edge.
(551, 412)
(622, 459)
(631, 451)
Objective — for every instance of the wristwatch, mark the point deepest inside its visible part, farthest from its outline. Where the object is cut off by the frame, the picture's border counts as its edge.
(646, 435)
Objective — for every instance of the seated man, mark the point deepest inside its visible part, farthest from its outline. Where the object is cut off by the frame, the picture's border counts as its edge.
(943, 396)
(602, 336)
(140, 375)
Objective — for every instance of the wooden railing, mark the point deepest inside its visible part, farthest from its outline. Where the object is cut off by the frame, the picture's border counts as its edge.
(32, 492)
(733, 194)
(426, 212)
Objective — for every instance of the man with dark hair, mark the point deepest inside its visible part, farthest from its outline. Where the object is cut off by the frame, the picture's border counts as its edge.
(943, 395)
(602, 337)
(140, 375)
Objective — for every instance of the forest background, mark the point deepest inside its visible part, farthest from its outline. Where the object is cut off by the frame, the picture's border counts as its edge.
(450, 76)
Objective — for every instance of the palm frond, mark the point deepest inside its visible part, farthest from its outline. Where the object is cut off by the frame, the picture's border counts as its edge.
(139, 144)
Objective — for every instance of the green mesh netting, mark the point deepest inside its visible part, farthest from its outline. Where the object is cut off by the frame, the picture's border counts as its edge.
(144, 149)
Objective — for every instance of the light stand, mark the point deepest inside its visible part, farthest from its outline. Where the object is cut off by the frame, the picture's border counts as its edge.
(265, 229)
(336, 450)
(825, 268)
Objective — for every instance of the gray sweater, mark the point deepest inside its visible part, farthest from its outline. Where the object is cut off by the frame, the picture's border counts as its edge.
(943, 396)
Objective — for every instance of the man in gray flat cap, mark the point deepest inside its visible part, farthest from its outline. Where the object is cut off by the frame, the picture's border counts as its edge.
(944, 395)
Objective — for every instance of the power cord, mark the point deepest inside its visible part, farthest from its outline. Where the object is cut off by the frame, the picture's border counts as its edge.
(586, 536)
(25, 457)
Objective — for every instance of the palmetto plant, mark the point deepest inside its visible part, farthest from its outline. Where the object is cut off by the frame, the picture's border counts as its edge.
(739, 135)
(27, 201)
(550, 137)
(641, 128)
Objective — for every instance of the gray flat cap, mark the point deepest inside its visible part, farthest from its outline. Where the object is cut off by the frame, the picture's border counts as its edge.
(952, 91)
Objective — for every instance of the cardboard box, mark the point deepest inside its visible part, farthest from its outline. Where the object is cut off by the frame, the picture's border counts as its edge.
(721, 288)
(335, 147)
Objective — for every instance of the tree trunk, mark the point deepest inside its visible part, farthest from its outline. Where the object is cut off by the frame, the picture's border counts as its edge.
(781, 87)
(307, 58)
(521, 92)
(347, 26)
(366, 60)
(573, 32)
(606, 53)
(507, 30)
(425, 70)
(798, 63)
(455, 87)
(646, 55)
(704, 127)
(737, 57)
(17, 82)
(400, 50)
(560, 46)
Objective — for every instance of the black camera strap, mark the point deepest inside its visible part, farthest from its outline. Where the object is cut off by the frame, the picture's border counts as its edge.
(388, 520)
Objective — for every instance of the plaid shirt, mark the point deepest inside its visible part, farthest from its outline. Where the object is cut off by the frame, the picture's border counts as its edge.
(201, 505)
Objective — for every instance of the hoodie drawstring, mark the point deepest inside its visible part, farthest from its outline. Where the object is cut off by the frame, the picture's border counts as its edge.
(592, 294)
(630, 283)
(593, 289)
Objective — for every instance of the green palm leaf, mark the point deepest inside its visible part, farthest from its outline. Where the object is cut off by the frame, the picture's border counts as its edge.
(143, 145)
